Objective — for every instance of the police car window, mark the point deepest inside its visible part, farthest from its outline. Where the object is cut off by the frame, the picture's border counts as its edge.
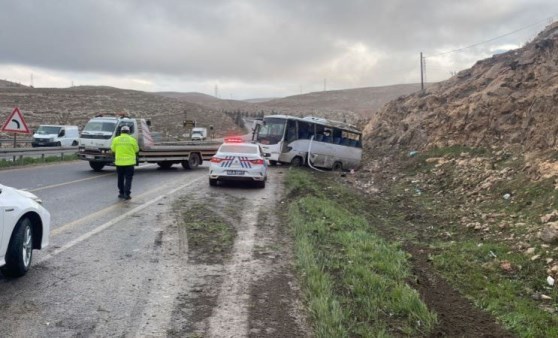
(237, 148)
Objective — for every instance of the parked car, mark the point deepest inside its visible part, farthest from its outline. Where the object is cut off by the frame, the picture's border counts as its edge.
(238, 161)
(24, 226)
(55, 135)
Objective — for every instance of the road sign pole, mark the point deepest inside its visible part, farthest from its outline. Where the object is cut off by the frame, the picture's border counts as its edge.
(15, 143)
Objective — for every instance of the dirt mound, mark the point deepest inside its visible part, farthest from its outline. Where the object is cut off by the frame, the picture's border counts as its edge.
(508, 99)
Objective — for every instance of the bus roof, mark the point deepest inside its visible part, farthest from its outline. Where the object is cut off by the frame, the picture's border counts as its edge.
(319, 120)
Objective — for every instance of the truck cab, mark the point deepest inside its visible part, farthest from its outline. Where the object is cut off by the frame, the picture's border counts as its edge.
(96, 138)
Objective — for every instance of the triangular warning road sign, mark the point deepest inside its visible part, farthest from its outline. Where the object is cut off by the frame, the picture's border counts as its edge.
(15, 123)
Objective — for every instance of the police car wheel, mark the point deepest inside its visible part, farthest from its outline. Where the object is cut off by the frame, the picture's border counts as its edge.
(212, 182)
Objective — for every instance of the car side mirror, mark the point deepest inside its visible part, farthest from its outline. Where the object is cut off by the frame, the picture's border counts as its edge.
(266, 155)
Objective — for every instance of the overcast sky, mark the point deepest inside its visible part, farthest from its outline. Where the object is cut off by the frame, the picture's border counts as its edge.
(255, 48)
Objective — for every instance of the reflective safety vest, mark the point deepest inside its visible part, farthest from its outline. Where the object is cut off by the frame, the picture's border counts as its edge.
(125, 148)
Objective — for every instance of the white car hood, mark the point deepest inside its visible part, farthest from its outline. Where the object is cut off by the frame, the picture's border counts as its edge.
(23, 193)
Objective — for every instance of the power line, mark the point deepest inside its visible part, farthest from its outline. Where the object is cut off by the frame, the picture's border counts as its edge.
(492, 39)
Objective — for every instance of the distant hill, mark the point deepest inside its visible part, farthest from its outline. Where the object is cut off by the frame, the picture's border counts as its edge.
(77, 105)
(8, 84)
(349, 105)
(212, 102)
(259, 100)
(362, 101)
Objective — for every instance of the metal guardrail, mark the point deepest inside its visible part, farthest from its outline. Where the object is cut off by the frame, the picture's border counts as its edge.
(9, 142)
(15, 154)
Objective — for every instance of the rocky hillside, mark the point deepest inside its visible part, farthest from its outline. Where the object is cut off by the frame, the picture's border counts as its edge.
(507, 100)
(473, 160)
(78, 104)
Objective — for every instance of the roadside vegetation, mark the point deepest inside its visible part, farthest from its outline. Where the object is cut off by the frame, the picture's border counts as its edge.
(210, 236)
(27, 161)
(478, 214)
(354, 281)
(474, 214)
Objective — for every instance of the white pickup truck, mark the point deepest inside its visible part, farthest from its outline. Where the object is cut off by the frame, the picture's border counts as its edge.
(97, 136)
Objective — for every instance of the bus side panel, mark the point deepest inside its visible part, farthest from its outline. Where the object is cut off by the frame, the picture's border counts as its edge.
(297, 148)
(324, 155)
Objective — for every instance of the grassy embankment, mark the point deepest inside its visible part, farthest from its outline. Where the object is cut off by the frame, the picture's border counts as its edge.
(353, 280)
(489, 263)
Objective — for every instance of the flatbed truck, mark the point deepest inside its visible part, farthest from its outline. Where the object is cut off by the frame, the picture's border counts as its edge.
(97, 136)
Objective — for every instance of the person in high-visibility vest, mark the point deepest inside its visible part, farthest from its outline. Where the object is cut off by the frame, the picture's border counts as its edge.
(125, 148)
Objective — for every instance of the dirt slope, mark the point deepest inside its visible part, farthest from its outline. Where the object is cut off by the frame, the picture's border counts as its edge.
(508, 99)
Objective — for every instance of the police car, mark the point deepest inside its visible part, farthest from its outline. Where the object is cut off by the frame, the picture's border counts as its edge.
(24, 226)
(238, 161)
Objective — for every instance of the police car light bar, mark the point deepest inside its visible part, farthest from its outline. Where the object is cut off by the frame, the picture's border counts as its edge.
(234, 139)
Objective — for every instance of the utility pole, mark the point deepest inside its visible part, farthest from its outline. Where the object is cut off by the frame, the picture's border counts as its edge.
(421, 72)
(31, 84)
(325, 85)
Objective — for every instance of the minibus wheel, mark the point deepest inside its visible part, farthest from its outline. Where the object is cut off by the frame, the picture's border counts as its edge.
(337, 166)
(297, 161)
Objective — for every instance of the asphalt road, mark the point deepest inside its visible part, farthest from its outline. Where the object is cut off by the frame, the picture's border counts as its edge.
(97, 276)
(124, 268)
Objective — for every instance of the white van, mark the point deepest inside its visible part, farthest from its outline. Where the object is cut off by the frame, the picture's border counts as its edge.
(55, 135)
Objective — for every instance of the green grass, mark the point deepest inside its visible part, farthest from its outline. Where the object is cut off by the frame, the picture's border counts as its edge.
(354, 281)
(475, 269)
(26, 161)
(207, 232)
(471, 260)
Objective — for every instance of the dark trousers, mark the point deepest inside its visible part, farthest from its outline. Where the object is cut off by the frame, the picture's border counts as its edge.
(125, 175)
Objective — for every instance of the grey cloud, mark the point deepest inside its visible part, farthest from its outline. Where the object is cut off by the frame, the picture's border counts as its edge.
(244, 40)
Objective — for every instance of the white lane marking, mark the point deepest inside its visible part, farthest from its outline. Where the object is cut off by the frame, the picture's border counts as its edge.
(113, 222)
(77, 181)
(66, 183)
(96, 214)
